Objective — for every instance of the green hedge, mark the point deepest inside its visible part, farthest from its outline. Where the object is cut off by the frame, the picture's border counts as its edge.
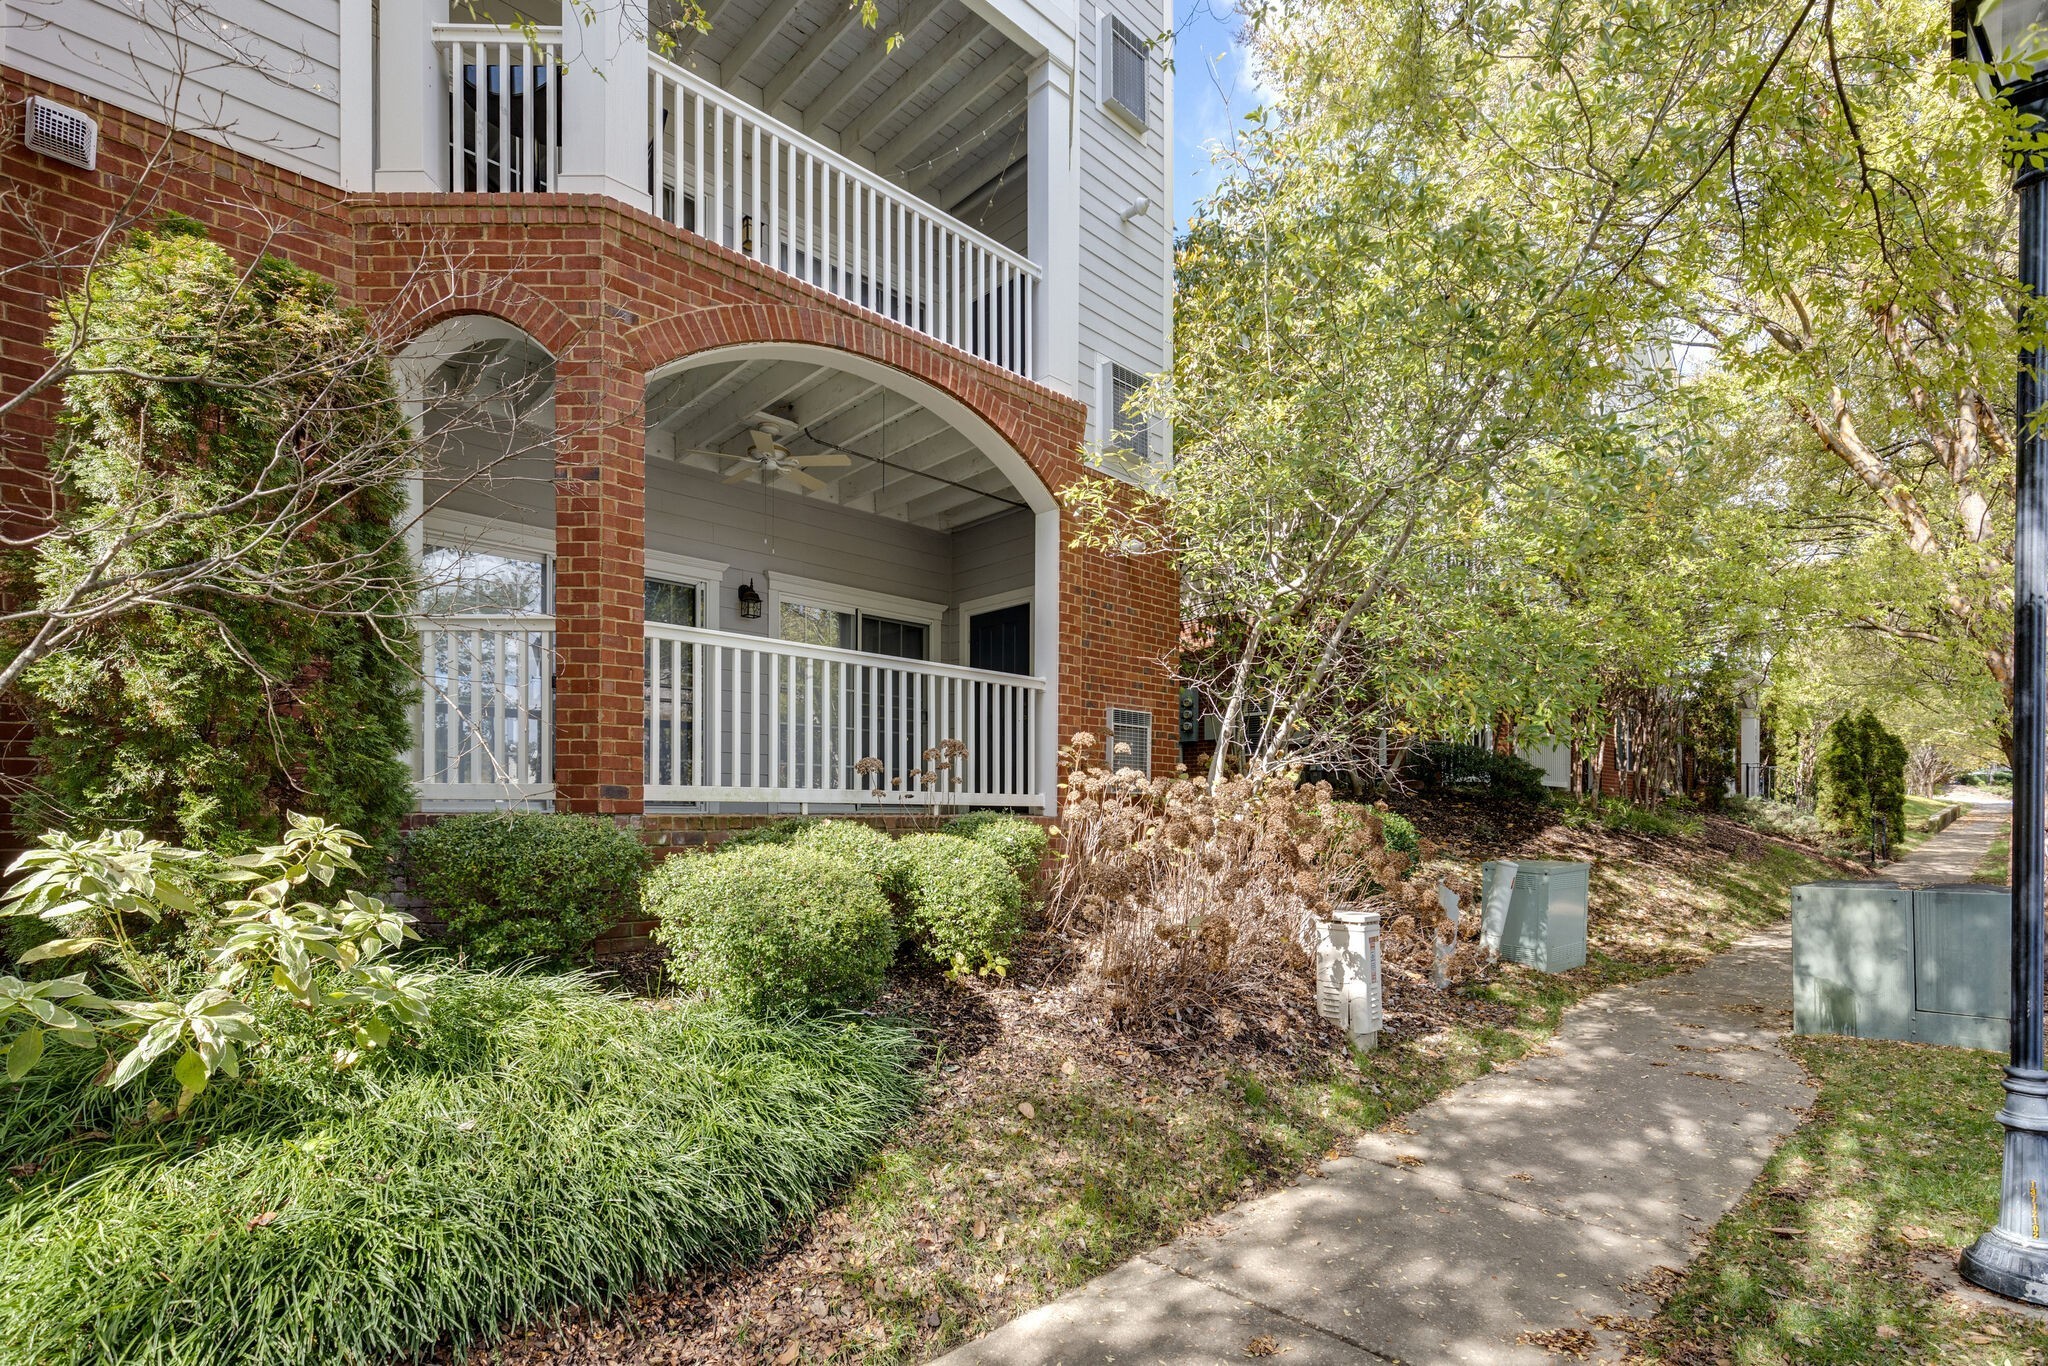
(863, 846)
(766, 928)
(1023, 844)
(1455, 767)
(513, 885)
(963, 907)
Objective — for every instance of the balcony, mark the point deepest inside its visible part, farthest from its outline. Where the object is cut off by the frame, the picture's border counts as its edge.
(731, 718)
(941, 114)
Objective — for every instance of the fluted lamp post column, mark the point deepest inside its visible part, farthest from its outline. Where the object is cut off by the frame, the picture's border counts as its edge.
(2010, 39)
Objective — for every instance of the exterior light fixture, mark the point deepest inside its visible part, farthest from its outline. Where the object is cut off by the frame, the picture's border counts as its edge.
(2009, 38)
(750, 602)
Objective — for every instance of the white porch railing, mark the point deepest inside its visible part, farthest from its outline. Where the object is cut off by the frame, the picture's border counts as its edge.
(504, 107)
(483, 730)
(721, 168)
(740, 718)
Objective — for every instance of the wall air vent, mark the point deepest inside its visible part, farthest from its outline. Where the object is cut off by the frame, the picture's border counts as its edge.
(1123, 69)
(1130, 740)
(57, 130)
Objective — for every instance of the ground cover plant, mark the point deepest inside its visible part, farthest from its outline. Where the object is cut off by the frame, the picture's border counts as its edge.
(263, 1141)
(1844, 1249)
(1055, 1144)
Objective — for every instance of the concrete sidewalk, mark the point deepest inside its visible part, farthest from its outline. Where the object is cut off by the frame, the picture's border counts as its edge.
(1952, 855)
(1534, 1200)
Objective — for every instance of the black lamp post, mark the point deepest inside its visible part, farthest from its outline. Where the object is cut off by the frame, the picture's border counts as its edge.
(2011, 38)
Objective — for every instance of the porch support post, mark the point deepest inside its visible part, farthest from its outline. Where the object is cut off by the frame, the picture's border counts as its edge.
(600, 558)
(1053, 225)
(605, 137)
(1047, 661)
(412, 105)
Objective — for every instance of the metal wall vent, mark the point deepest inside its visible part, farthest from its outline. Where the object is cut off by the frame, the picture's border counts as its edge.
(1133, 730)
(59, 131)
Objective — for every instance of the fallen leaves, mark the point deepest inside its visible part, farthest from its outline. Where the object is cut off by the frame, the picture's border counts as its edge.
(1262, 1346)
(1025, 1109)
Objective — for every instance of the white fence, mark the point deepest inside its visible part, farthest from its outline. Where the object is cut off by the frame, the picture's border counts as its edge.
(740, 718)
(729, 718)
(721, 168)
(484, 727)
(504, 108)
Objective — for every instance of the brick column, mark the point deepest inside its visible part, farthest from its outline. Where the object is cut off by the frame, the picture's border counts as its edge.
(600, 508)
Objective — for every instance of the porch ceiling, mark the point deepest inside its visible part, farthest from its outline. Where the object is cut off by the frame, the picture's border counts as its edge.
(933, 112)
(904, 462)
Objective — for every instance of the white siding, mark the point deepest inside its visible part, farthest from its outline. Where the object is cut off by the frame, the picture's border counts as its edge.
(262, 77)
(1124, 266)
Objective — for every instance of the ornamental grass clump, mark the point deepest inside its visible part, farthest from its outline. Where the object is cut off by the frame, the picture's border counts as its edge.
(538, 1142)
(1181, 894)
(765, 929)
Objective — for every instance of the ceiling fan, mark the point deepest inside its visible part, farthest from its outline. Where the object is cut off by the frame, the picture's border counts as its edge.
(767, 456)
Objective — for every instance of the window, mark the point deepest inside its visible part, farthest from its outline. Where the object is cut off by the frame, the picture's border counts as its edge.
(1121, 69)
(464, 581)
(672, 604)
(1123, 428)
(1130, 740)
(809, 612)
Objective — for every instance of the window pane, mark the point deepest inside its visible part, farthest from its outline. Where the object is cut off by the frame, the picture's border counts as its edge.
(457, 582)
(817, 625)
(671, 604)
(883, 636)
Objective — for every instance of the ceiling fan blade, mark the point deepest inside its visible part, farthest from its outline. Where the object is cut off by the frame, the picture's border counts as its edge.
(746, 471)
(764, 441)
(809, 481)
(832, 460)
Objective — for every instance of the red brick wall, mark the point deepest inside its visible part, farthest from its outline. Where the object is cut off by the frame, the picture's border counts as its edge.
(614, 295)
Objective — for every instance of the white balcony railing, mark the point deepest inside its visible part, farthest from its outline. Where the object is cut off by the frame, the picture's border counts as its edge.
(719, 167)
(740, 718)
(723, 169)
(504, 107)
(484, 727)
(729, 718)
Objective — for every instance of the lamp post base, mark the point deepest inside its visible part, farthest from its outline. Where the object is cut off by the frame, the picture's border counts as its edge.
(2016, 1268)
(2012, 1259)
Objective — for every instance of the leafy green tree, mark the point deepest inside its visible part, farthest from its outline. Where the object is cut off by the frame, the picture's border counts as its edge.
(215, 634)
(1861, 775)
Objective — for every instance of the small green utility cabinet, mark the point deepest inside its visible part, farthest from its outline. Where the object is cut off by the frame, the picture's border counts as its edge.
(1874, 960)
(1534, 911)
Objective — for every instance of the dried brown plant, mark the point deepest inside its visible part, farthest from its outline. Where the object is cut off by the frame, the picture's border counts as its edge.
(1185, 893)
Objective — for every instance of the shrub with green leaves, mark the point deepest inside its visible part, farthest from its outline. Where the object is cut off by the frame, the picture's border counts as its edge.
(1399, 833)
(1860, 773)
(198, 1004)
(863, 846)
(963, 907)
(774, 832)
(540, 1143)
(515, 885)
(1022, 844)
(1461, 767)
(768, 928)
(230, 434)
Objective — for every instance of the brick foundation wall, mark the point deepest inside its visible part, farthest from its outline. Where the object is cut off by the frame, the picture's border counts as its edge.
(616, 296)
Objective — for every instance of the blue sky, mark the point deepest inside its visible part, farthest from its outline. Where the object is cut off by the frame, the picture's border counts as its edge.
(1212, 92)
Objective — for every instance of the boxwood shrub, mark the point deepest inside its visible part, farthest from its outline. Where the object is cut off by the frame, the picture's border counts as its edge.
(962, 905)
(783, 831)
(863, 846)
(1021, 843)
(515, 885)
(767, 928)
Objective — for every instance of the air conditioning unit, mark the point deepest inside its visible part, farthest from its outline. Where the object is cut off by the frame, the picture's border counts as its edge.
(59, 131)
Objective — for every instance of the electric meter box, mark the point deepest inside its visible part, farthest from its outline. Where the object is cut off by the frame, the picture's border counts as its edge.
(1543, 923)
(1873, 960)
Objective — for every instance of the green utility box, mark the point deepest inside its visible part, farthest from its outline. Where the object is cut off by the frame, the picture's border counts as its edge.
(1534, 912)
(1874, 960)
